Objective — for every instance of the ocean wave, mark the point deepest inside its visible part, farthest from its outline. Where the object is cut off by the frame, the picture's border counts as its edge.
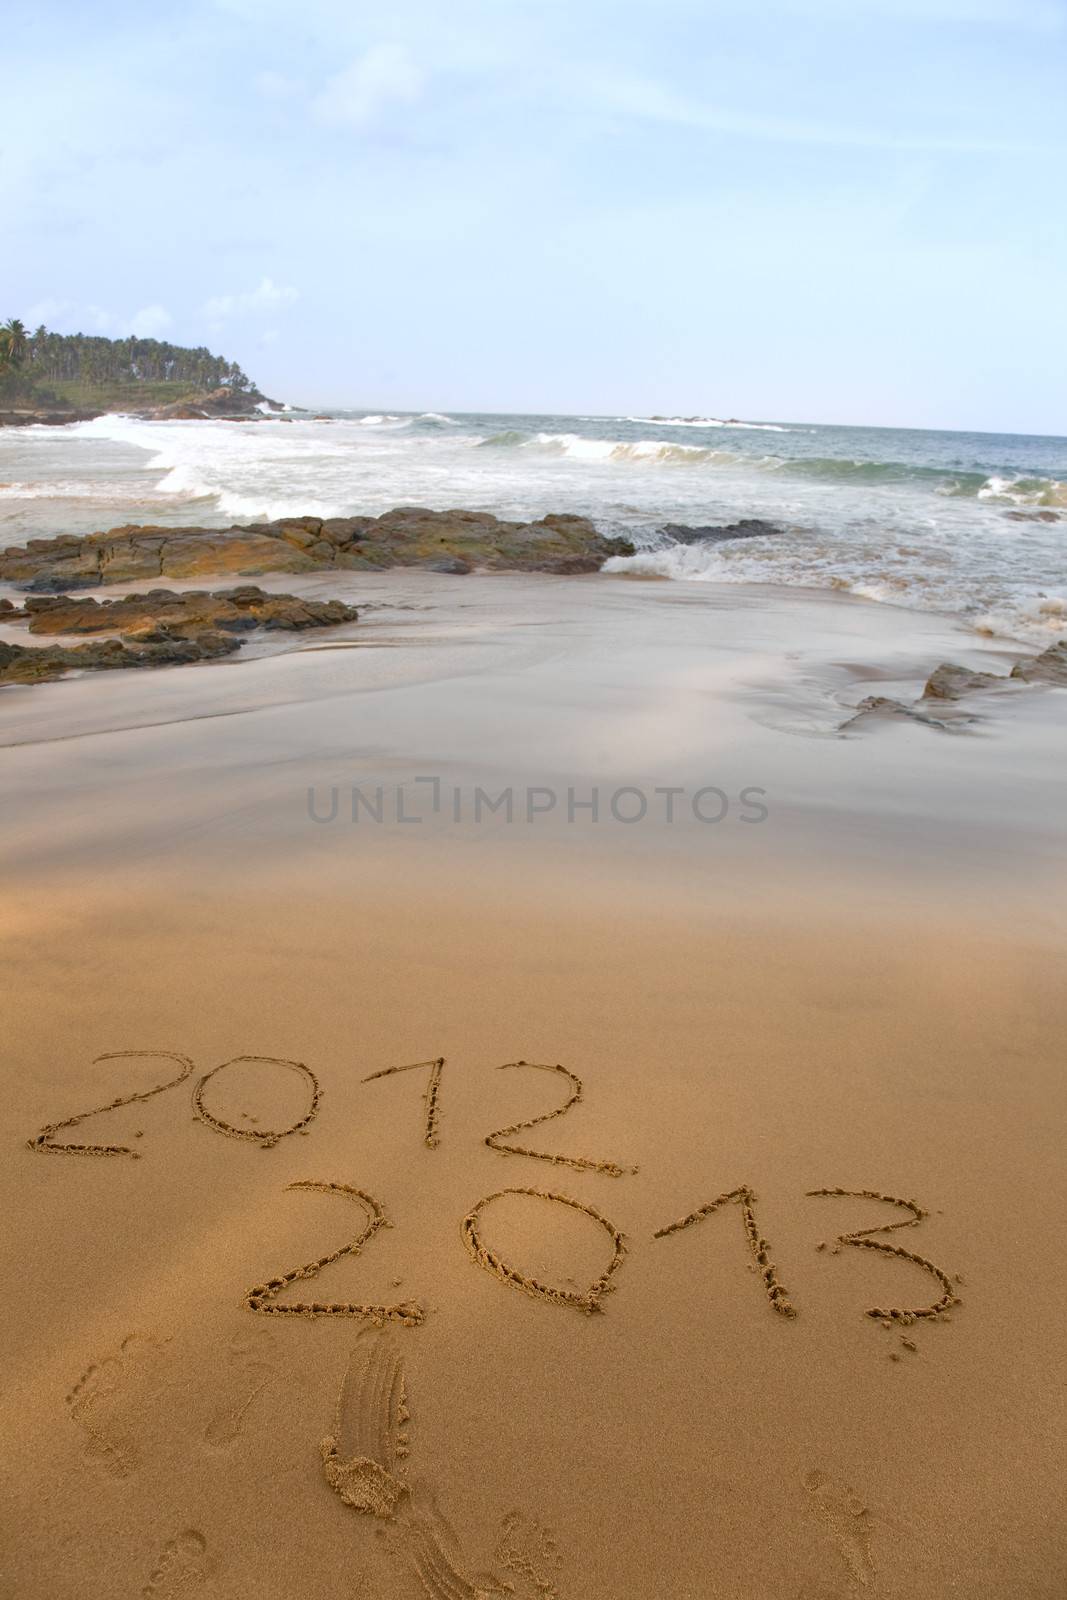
(710, 422)
(1021, 491)
(579, 448)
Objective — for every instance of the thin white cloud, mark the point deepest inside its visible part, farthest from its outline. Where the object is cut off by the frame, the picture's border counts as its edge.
(266, 296)
(48, 312)
(628, 95)
(383, 76)
(1041, 16)
(67, 316)
(150, 322)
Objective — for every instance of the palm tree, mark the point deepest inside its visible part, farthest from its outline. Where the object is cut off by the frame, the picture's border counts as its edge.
(13, 334)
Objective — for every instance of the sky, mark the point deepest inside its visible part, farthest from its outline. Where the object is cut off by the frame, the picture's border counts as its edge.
(842, 211)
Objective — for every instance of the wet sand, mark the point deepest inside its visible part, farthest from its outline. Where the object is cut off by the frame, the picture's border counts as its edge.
(861, 992)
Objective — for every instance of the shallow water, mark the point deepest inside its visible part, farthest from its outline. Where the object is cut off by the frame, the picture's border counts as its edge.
(908, 517)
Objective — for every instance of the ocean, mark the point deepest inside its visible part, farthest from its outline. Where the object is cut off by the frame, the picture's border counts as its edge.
(969, 524)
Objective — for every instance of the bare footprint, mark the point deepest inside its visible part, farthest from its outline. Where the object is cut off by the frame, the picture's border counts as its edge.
(364, 1459)
(98, 1395)
(250, 1362)
(182, 1566)
(435, 1553)
(527, 1550)
(847, 1519)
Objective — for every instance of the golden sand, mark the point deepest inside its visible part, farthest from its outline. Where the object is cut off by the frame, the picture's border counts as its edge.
(783, 1108)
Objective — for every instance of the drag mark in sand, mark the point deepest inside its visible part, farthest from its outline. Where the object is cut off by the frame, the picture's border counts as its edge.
(43, 1140)
(365, 1461)
(262, 1297)
(746, 1199)
(371, 1477)
(583, 1163)
(861, 1240)
(267, 1138)
(587, 1300)
(431, 1095)
(108, 1380)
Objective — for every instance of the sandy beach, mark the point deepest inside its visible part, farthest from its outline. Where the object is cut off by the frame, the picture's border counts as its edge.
(860, 990)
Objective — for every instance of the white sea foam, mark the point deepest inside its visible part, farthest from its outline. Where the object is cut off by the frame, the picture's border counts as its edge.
(918, 520)
(579, 448)
(710, 422)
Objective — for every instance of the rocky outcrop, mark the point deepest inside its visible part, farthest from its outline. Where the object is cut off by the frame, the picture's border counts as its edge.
(45, 416)
(233, 404)
(160, 628)
(950, 682)
(408, 536)
(747, 528)
(1049, 667)
(237, 405)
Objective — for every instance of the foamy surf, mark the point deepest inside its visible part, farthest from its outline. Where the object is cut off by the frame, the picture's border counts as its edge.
(970, 525)
(709, 422)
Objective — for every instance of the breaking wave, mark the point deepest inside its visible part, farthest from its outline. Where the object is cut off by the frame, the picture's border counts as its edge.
(711, 422)
(579, 448)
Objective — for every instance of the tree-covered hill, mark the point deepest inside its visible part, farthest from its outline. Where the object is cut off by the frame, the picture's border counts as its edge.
(86, 369)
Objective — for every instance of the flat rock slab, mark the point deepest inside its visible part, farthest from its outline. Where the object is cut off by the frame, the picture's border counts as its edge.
(157, 629)
(407, 536)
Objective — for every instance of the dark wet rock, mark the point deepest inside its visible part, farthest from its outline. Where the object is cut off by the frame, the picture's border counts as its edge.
(454, 564)
(26, 664)
(43, 585)
(1049, 667)
(407, 536)
(948, 682)
(161, 628)
(46, 416)
(747, 528)
(1032, 516)
(878, 705)
(183, 615)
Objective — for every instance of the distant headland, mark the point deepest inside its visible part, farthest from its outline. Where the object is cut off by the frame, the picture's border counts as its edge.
(48, 377)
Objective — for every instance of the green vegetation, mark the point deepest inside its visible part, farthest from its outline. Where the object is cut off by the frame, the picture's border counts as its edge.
(80, 369)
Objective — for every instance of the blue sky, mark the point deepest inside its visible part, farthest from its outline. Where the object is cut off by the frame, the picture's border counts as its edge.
(833, 210)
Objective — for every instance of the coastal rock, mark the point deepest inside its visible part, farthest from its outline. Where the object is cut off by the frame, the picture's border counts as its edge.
(46, 417)
(407, 536)
(879, 705)
(161, 628)
(747, 528)
(1049, 667)
(453, 564)
(25, 664)
(949, 682)
(173, 615)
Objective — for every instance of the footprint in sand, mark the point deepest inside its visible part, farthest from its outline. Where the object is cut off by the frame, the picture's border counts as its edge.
(251, 1364)
(104, 1390)
(182, 1566)
(847, 1519)
(528, 1551)
(365, 1462)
